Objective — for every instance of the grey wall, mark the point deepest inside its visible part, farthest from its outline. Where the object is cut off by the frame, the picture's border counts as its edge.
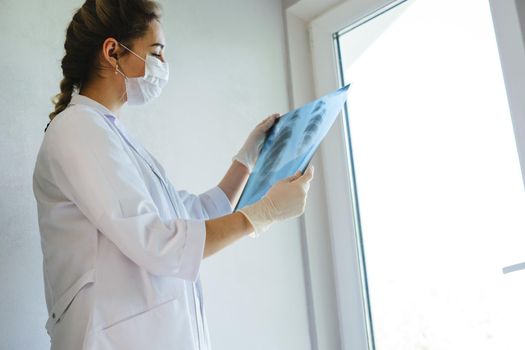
(228, 72)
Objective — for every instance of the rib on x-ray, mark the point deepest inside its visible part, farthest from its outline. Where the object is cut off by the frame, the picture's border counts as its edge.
(313, 126)
(291, 143)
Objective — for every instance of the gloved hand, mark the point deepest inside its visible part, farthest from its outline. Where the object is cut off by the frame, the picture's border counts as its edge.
(284, 200)
(251, 148)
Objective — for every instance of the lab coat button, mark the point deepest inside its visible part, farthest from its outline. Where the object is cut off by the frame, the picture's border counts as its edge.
(53, 315)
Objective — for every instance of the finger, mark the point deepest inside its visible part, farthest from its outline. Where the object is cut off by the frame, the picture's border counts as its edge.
(268, 122)
(265, 120)
(294, 176)
(272, 117)
(307, 175)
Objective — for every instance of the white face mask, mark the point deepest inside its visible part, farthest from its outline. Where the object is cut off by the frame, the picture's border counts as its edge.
(143, 89)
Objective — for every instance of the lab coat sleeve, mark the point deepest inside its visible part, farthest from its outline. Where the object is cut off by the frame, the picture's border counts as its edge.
(211, 204)
(92, 169)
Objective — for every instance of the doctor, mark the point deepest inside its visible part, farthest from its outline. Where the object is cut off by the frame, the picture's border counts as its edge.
(122, 248)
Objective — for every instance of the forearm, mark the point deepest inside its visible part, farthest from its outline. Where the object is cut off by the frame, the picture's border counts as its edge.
(234, 181)
(223, 231)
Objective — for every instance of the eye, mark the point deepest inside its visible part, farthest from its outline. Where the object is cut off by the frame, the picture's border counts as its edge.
(158, 56)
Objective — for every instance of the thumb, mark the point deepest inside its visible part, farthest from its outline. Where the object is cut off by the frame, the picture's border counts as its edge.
(307, 175)
(293, 177)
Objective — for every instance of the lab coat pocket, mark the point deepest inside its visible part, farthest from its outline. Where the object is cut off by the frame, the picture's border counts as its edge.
(164, 326)
(62, 304)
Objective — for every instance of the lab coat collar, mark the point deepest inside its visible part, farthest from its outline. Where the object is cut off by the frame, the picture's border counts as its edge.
(87, 101)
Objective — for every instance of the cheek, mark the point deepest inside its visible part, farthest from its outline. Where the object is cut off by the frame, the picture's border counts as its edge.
(133, 67)
(140, 69)
(137, 68)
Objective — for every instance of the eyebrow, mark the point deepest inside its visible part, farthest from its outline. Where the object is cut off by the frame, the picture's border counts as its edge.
(158, 44)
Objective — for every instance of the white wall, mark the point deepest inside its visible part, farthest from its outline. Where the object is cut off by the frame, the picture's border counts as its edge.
(228, 72)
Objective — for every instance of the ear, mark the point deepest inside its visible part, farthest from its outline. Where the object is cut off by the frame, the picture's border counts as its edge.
(110, 51)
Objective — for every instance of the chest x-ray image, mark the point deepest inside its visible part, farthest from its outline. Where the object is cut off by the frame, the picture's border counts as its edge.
(291, 143)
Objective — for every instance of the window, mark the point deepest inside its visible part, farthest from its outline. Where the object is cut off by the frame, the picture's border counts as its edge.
(438, 186)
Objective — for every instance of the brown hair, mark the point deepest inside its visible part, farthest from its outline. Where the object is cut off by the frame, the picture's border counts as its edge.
(93, 23)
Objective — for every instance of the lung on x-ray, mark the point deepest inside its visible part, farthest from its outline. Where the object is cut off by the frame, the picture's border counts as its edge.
(291, 143)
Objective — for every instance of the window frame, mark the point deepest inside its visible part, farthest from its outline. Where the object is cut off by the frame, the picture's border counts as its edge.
(313, 69)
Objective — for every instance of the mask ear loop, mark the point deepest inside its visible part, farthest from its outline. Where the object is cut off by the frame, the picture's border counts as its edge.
(125, 77)
(118, 70)
(124, 46)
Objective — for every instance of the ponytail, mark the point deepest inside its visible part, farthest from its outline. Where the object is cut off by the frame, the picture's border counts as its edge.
(62, 99)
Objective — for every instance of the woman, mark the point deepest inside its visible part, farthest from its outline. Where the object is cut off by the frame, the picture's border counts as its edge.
(122, 247)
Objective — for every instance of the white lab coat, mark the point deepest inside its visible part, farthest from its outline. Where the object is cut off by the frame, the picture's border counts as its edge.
(121, 247)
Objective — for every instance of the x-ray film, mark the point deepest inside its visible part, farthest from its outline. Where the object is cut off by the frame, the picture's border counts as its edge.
(291, 143)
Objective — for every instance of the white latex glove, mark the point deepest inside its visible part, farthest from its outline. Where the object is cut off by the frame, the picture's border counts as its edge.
(284, 200)
(251, 148)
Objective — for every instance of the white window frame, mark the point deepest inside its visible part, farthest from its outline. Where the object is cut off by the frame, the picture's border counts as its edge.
(314, 72)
